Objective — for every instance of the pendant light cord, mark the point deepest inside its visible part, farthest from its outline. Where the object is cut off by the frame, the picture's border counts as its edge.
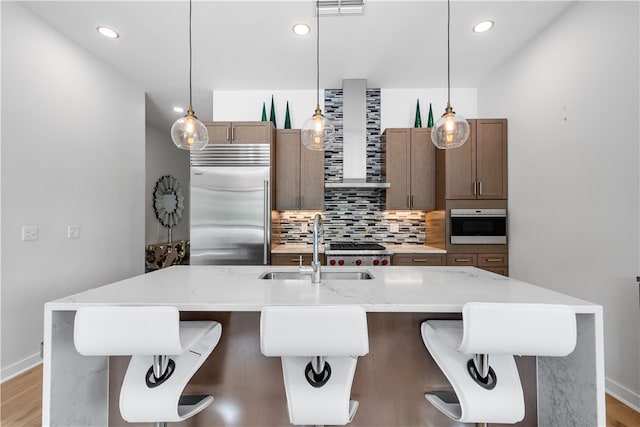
(190, 60)
(318, 53)
(448, 54)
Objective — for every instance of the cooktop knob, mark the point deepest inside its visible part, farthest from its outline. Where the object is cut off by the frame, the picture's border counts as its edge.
(385, 262)
(376, 261)
(358, 261)
(332, 262)
(341, 262)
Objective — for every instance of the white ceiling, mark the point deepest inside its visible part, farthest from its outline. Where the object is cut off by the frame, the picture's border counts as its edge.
(244, 45)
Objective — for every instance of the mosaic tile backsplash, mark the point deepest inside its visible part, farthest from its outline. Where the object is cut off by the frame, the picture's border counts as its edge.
(352, 225)
(353, 214)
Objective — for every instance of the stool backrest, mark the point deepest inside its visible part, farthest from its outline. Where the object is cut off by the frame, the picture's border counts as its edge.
(518, 329)
(314, 331)
(127, 331)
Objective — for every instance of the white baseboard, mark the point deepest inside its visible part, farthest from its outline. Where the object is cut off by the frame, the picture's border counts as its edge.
(623, 394)
(19, 367)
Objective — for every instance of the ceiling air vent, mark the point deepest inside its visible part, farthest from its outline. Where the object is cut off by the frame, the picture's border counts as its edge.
(340, 7)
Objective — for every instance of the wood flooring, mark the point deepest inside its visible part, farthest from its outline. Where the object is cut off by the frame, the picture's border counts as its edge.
(22, 403)
(22, 400)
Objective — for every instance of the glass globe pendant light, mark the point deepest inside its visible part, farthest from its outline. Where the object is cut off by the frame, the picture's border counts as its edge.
(451, 130)
(188, 133)
(318, 132)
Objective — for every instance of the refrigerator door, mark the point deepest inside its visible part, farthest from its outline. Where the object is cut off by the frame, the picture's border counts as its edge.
(230, 215)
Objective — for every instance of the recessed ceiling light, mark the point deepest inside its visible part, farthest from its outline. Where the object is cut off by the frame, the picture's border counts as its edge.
(108, 32)
(178, 109)
(483, 26)
(301, 29)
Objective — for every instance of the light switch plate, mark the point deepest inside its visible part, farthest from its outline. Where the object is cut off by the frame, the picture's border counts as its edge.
(73, 232)
(29, 233)
(394, 228)
(304, 228)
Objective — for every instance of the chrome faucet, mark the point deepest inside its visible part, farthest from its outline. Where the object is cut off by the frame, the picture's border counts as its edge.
(318, 231)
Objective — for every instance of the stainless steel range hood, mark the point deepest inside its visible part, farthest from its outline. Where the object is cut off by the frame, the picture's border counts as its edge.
(354, 122)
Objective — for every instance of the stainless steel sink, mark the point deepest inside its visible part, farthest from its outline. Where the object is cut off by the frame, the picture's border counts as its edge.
(324, 275)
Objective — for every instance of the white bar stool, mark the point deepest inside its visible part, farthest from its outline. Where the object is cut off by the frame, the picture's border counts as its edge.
(476, 356)
(319, 346)
(165, 352)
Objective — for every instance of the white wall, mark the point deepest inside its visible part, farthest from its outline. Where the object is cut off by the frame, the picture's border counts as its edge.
(398, 106)
(246, 105)
(72, 154)
(164, 158)
(571, 97)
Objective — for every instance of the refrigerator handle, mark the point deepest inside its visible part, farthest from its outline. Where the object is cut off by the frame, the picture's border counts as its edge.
(267, 223)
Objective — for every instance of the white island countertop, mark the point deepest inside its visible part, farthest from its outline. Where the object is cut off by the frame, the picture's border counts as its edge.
(570, 390)
(392, 289)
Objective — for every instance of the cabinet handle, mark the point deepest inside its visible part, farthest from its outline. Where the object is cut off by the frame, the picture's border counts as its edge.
(462, 260)
(474, 188)
(480, 187)
(411, 205)
(298, 260)
(233, 133)
(409, 201)
(227, 134)
(494, 259)
(419, 260)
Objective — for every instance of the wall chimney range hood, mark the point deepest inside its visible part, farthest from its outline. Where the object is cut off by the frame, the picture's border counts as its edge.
(354, 137)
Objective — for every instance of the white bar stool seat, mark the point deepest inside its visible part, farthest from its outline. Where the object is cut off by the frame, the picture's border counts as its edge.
(319, 346)
(151, 336)
(476, 356)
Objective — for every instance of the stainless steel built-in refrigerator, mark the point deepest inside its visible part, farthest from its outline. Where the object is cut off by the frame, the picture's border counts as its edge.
(230, 205)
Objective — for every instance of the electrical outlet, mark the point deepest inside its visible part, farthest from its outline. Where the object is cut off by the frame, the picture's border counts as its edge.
(394, 228)
(73, 232)
(29, 233)
(304, 227)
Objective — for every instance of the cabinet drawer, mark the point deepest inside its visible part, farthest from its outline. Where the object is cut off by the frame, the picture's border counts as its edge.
(418, 259)
(290, 259)
(469, 260)
(493, 260)
(293, 259)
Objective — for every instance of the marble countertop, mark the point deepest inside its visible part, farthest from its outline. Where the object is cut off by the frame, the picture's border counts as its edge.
(414, 249)
(396, 249)
(393, 289)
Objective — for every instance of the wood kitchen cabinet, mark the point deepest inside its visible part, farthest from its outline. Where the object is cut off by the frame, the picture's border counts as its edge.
(477, 169)
(299, 173)
(240, 132)
(410, 169)
(497, 263)
(418, 259)
(293, 259)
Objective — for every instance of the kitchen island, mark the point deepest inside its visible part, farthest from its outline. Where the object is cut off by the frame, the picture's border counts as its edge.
(390, 381)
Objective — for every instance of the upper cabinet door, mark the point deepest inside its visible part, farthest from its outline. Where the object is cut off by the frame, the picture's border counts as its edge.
(240, 132)
(423, 170)
(287, 169)
(397, 169)
(491, 159)
(460, 164)
(311, 178)
(219, 132)
(251, 132)
(299, 173)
